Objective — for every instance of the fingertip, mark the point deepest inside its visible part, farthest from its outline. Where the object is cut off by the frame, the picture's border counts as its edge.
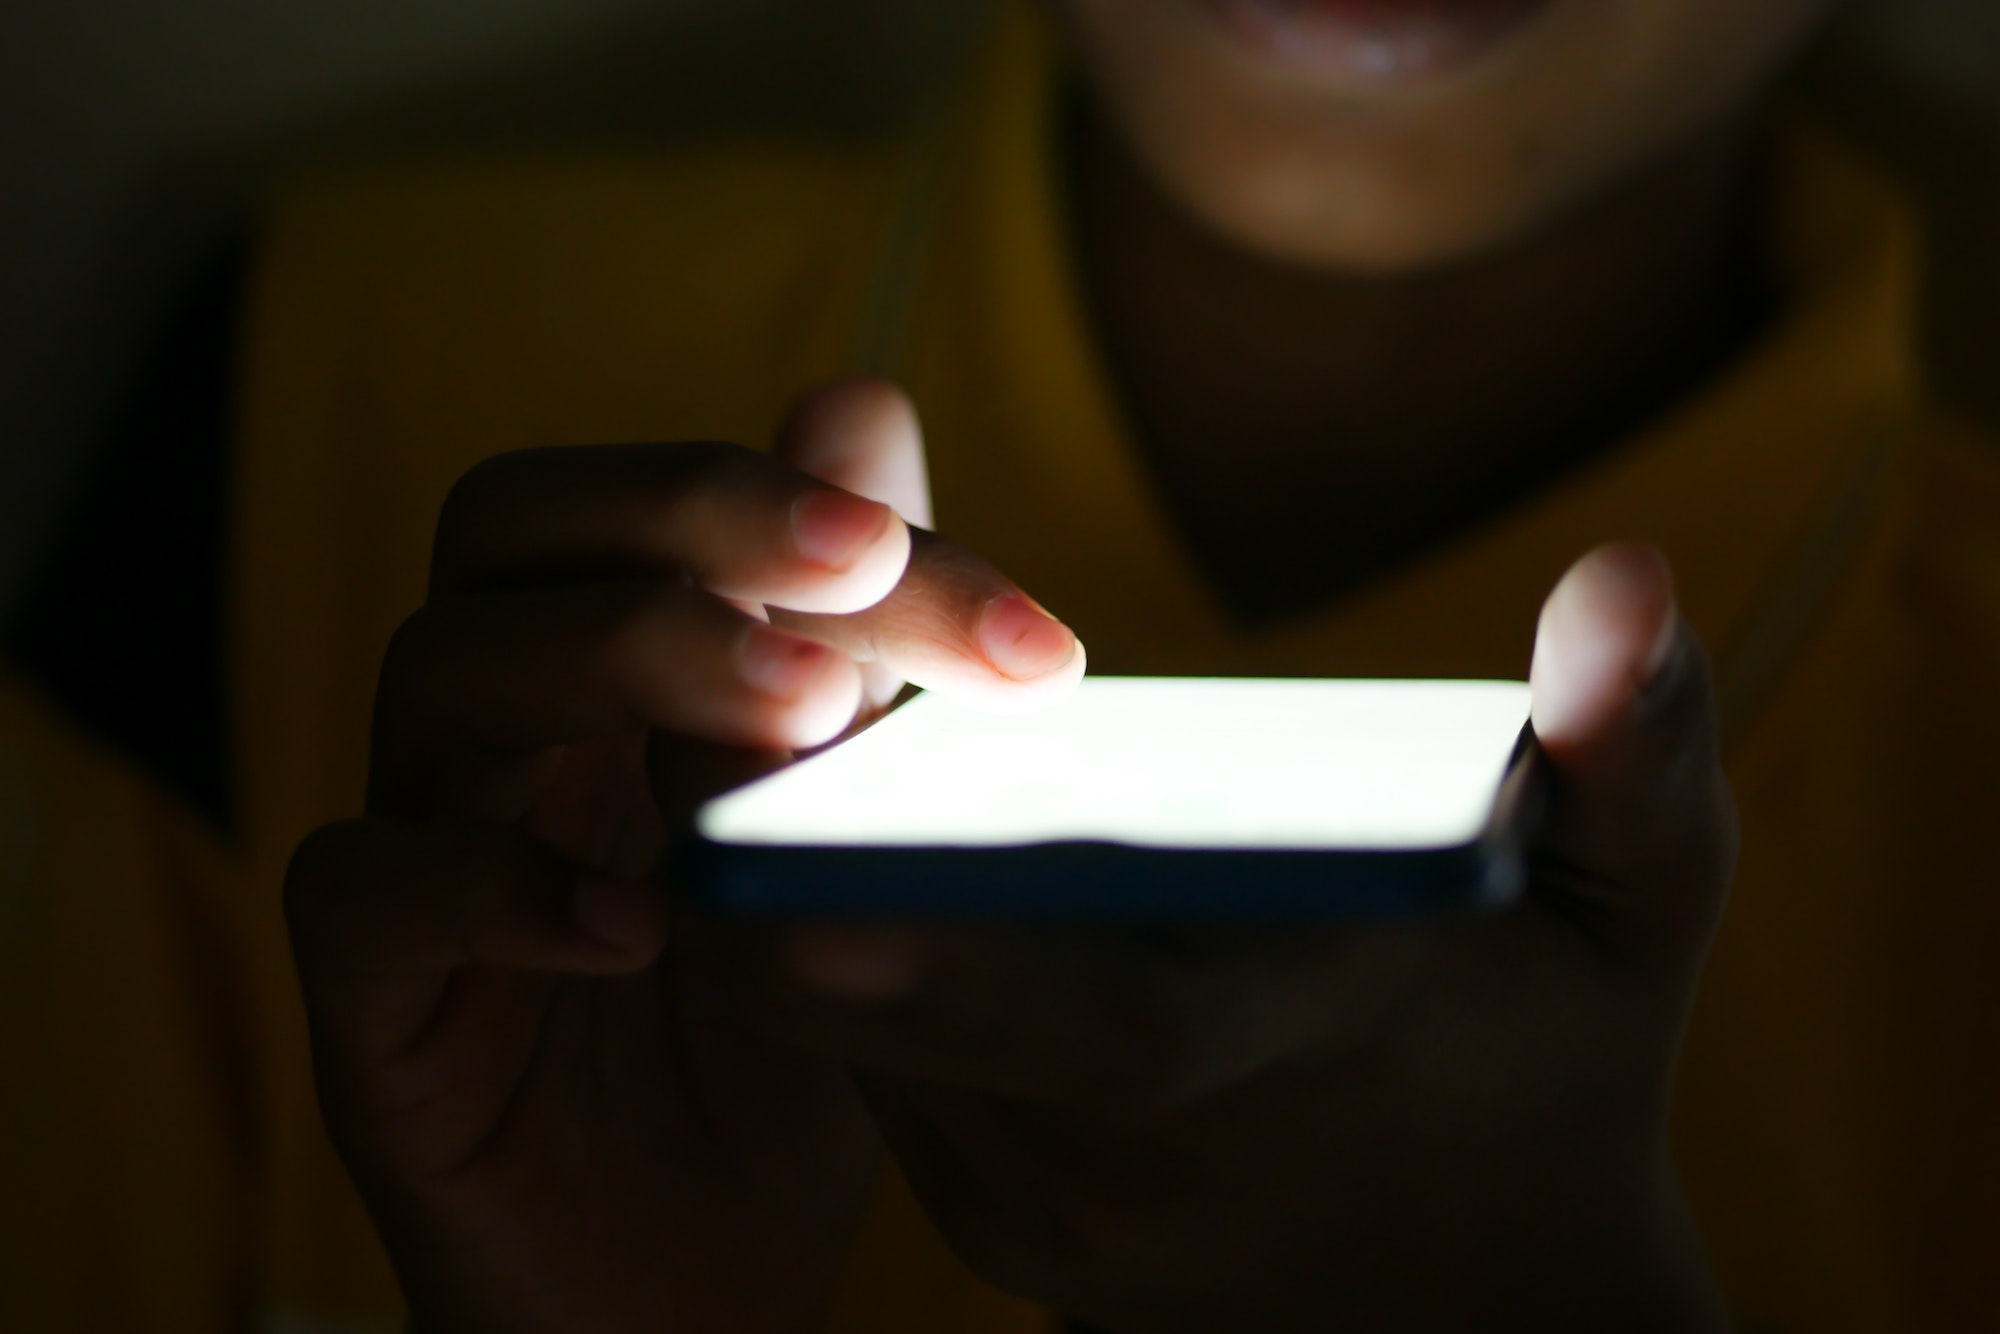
(982, 688)
(797, 692)
(862, 434)
(1042, 692)
(823, 708)
(1021, 640)
(780, 664)
(1606, 633)
(1038, 659)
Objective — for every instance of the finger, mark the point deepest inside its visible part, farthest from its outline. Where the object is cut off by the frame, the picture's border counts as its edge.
(503, 675)
(742, 525)
(954, 623)
(430, 958)
(1623, 706)
(861, 435)
(381, 913)
(957, 625)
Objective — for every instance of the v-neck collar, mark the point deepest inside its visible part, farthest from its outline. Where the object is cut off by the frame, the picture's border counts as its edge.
(1754, 487)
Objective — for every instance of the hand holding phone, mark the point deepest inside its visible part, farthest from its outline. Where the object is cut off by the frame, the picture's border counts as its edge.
(556, 1120)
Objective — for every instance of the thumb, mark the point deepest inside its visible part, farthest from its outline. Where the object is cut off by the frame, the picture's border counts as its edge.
(1624, 709)
(861, 435)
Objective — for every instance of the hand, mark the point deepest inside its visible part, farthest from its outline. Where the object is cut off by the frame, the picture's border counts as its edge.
(555, 1115)
(1443, 1124)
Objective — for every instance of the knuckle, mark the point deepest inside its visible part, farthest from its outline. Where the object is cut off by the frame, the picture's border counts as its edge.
(943, 570)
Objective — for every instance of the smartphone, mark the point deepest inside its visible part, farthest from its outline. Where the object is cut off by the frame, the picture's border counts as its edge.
(1144, 800)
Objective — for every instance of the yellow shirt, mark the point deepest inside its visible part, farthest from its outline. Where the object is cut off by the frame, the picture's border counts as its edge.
(1838, 548)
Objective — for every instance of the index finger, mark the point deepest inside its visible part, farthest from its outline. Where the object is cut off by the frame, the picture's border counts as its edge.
(957, 625)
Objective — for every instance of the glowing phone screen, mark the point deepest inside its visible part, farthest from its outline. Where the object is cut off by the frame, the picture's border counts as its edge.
(1159, 763)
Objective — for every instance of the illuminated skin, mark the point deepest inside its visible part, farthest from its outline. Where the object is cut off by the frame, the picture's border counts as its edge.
(1332, 265)
(567, 1112)
(1324, 161)
(480, 953)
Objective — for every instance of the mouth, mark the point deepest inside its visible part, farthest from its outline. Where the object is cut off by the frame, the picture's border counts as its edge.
(1375, 39)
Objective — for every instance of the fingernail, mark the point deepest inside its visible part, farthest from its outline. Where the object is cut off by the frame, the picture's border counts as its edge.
(1023, 641)
(613, 911)
(778, 663)
(833, 528)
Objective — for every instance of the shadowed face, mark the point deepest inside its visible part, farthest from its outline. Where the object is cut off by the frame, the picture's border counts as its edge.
(1402, 135)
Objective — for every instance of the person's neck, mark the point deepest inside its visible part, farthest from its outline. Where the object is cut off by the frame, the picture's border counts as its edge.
(1311, 430)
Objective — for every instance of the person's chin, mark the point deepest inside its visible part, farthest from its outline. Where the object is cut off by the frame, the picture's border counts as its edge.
(1380, 218)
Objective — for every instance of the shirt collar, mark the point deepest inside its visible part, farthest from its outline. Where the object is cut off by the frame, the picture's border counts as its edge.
(1756, 488)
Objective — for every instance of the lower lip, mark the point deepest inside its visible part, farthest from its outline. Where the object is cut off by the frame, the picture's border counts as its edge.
(1376, 39)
